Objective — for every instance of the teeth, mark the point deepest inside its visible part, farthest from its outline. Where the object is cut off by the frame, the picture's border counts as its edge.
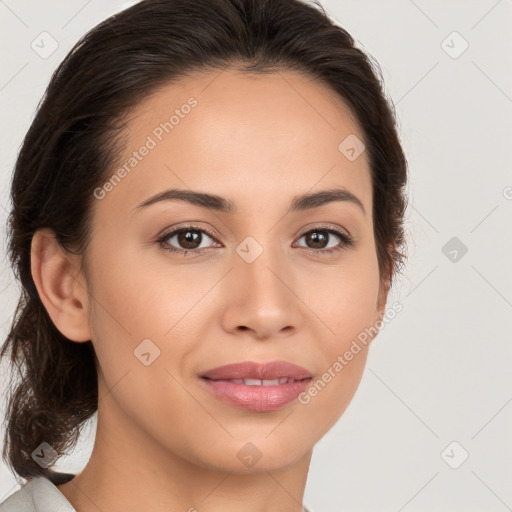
(265, 382)
(252, 382)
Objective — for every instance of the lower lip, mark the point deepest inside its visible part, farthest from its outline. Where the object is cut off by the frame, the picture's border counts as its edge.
(257, 398)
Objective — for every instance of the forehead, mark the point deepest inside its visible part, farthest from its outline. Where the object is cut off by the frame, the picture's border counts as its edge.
(250, 137)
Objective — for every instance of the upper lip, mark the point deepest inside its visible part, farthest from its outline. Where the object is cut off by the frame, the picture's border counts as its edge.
(254, 370)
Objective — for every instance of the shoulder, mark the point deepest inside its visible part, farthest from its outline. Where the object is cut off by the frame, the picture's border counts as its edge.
(38, 495)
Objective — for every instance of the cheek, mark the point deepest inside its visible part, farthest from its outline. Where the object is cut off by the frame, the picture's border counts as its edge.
(134, 293)
(344, 298)
(346, 304)
(134, 301)
(346, 307)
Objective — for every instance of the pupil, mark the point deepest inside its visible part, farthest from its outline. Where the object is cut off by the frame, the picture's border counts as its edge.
(315, 236)
(189, 239)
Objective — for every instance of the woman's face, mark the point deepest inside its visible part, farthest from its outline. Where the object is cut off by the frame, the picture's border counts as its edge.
(258, 284)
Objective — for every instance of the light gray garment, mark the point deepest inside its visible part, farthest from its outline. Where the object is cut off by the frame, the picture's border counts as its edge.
(37, 495)
(40, 495)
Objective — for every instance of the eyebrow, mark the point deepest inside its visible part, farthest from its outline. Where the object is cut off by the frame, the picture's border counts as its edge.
(221, 204)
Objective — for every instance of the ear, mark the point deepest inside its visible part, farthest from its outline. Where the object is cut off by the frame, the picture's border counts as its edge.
(61, 289)
(382, 298)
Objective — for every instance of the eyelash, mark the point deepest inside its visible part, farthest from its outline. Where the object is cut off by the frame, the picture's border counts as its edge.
(347, 240)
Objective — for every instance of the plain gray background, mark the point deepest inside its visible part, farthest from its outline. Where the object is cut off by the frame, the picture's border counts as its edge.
(437, 387)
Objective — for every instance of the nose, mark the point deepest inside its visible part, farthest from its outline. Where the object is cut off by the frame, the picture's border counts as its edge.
(262, 297)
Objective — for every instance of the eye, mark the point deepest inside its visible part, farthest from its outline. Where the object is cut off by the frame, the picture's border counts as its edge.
(320, 237)
(189, 238)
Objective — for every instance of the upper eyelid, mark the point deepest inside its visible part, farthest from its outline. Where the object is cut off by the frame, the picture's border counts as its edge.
(173, 231)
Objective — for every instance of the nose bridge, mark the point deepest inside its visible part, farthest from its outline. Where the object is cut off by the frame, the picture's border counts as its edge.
(258, 262)
(261, 293)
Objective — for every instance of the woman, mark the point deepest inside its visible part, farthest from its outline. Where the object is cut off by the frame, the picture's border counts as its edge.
(207, 217)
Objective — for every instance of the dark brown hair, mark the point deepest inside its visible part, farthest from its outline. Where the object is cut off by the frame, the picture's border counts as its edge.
(76, 137)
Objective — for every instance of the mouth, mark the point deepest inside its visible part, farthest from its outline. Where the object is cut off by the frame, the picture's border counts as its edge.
(260, 382)
(257, 387)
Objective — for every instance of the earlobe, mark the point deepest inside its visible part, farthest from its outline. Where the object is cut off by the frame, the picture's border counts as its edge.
(62, 291)
(383, 298)
(380, 306)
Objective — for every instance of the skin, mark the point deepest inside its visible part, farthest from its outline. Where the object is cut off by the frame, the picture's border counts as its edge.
(163, 442)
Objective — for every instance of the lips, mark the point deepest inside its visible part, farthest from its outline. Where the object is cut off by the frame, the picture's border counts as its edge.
(252, 373)
(258, 387)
